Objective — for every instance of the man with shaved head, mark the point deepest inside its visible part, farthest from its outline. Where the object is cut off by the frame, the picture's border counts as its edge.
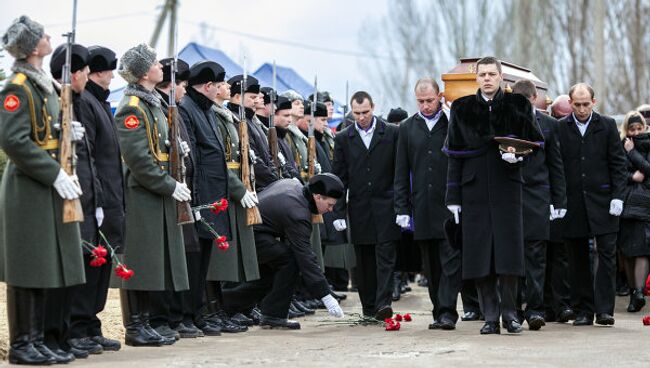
(561, 107)
(594, 164)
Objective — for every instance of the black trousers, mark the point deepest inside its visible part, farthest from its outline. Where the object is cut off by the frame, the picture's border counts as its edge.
(441, 265)
(273, 291)
(593, 296)
(57, 317)
(497, 295)
(89, 299)
(375, 266)
(535, 266)
(557, 294)
(338, 278)
(469, 297)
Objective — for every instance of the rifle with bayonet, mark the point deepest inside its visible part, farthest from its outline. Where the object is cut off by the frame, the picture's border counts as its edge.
(311, 146)
(72, 211)
(273, 133)
(253, 216)
(177, 159)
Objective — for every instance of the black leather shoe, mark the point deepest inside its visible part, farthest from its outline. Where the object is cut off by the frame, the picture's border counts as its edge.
(222, 320)
(536, 322)
(242, 320)
(187, 330)
(566, 316)
(384, 312)
(310, 303)
(446, 324)
(319, 304)
(512, 326)
(302, 308)
(604, 319)
(79, 354)
(338, 296)
(268, 322)
(256, 315)
(107, 344)
(397, 294)
(470, 316)
(49, 354)
(85, 343)
(435, 325)
(583, 321)
(637, 301)
(208, 328)
(490, 328)
(65, 357)
(167, 332)
(294, 313)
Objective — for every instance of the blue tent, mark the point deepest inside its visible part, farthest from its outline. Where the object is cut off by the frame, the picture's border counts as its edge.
(286, 79)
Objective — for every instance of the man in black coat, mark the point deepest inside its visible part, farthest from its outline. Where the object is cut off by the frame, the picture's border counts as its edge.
(211, 175)
(106, 211)
(488, 185)
(282, 121)
(364, 159)
(265, 172)
(284, 251)
(544, 200)
(594, 166)
(420, 187)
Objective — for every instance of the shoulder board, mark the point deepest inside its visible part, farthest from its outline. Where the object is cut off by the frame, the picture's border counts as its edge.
(134, 101)
(19, 79)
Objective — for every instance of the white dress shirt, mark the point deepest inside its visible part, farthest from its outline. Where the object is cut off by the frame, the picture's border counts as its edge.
(366, 134)
(431, 122)
(582, 127)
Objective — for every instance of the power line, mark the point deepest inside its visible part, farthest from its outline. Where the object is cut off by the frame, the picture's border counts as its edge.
(298, 44)
(100, 19)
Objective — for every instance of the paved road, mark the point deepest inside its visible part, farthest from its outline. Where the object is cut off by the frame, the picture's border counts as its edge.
(627, 344)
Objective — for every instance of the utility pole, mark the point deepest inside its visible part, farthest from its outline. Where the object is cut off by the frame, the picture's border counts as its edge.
(169, 10)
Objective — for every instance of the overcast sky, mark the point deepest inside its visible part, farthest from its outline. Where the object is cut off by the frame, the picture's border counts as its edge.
(121, 24)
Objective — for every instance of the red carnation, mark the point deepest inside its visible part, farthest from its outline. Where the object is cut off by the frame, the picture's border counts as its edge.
(99, 251)
(223, 245)
(389, 321)
(97, 261)
(407, 317)
(393, 326)
(646, 321)
(122, 272)
(398, 317)
(219, 206)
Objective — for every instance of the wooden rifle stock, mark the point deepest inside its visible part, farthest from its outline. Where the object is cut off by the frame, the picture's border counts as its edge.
(178, 169)
(72, 211)
(311, 171)
(253, 216)
(273, 145)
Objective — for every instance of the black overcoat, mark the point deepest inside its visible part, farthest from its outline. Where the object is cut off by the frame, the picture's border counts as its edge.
(594, 168)
(544, 183)
(488, 189)
(211, 174)
(368, 175)
(421, 176)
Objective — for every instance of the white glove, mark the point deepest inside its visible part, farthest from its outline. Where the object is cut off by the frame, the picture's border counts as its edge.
(66, 186)
(317, 168)
(251, 155)
(182, 192)
(403, 221)
(99, 216)
(249, 200)
(281, 159)
(339, 224)
(197, 216)
(455, 209)
(184, 149)
(511, 158)
(553, 213)
(560, 213)
(615, 207)
(78, 131)
(333, 307)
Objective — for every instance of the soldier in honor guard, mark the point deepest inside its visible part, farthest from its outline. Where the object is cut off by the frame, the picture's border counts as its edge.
(282, 121)
(94, 112)
(32, 191)
(297, 140)
(153, 239)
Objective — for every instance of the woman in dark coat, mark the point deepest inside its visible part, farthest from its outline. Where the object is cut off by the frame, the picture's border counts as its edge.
(634, 234)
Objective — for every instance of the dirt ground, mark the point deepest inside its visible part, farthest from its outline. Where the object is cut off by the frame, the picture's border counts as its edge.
(627, 344)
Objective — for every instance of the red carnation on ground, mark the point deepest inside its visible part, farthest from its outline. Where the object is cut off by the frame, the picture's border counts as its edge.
(407, 317)
(392, 325)
(99, 251)
(122, 272)
(398, 317)
(219, 206)
(646, 321)
(97, 261)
